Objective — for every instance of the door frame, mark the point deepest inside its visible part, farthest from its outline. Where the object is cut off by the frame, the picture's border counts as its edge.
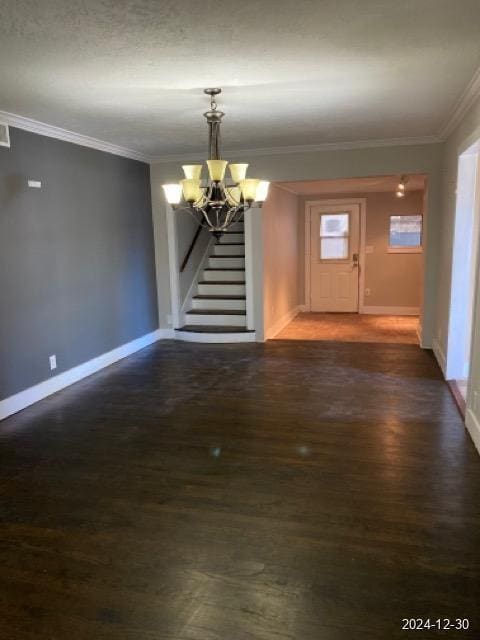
(453, 368)
(362, 202)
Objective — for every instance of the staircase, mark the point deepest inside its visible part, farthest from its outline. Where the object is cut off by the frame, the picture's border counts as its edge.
(218, 309)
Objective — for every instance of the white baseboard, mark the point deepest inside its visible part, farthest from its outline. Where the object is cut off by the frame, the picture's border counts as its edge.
(33, 394)
(272, 331)
(166, 334)
(439, 355)
(391, 311)
(473, 425)
(302, 308)
(214, 338)
(419, 336)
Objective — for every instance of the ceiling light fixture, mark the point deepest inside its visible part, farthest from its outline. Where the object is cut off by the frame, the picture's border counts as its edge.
(400, 192)
(220, 202)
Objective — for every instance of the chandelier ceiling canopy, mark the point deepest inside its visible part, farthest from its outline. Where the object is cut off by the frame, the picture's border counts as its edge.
(220, 201)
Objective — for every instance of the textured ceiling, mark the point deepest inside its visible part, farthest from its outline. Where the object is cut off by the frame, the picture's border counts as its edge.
(131, 72)
(353, 185)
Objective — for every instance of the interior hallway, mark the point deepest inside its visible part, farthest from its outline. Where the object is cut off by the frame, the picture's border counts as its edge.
(313, 491)
(351, 327)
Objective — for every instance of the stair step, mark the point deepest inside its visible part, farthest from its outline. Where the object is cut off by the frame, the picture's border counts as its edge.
(224, 269)
(222, 288)
(225, 302)
(232, 237)
(224, 317)
(222, 282)
(224, 275)
(208, 328)
(234, 250)
(216, 312)
(213, 297)
(225, 262)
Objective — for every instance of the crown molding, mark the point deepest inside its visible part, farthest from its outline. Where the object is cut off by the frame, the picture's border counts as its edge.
(466, 100)
(307, 148)
(41, 128)
(34, 126)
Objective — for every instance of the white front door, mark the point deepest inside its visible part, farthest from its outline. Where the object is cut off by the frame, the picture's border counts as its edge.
(334, 257)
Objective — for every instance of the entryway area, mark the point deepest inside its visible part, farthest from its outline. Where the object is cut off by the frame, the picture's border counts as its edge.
(356, 265)
(351, 327)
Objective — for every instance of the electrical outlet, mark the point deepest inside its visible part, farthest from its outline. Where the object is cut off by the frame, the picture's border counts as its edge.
(35, 184)
(368, 291)
(53, 362)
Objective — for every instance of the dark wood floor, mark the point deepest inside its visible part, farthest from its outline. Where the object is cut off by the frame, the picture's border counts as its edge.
(292, 490)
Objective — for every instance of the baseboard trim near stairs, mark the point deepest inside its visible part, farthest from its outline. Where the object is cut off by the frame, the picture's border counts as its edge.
(211, 338)
(272, 331)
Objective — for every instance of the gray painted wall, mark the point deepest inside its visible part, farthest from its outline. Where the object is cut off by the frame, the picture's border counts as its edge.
(77, 266)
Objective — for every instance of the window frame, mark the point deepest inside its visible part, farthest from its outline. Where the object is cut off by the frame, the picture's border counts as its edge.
(397, 249)
(347, 237)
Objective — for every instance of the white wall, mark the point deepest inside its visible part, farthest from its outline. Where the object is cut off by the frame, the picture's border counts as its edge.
(465, 134)
(281, 259)
(344, 163)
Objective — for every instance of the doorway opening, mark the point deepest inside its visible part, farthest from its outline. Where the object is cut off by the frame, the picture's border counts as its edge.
(465, 250)
(361, 246)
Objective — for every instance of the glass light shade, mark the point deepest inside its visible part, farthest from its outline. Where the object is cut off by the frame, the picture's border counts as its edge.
(400, 194)
(191, 189)
(238, 171)
(262, 191)
(192, 171)
(233, 196)
(216, 169)
(401, 186)
(249, 188)
(173, 193)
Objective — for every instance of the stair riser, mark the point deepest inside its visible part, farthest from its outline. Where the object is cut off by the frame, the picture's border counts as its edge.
(238, 226)
(220, 319)
(237, 305)
(232, 237)
(224, 276)
(228, 249)
(222, 289)
(226, 263)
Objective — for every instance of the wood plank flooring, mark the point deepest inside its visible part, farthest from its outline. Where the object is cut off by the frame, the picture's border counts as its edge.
(278, 491)
(351, 327)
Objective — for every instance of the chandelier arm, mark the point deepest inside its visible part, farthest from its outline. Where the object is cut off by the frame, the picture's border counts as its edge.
(229, 191)
(230, 216)
(207, 218)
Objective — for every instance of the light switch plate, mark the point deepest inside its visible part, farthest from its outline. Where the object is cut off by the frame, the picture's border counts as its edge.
(53, 362)
(35, 184)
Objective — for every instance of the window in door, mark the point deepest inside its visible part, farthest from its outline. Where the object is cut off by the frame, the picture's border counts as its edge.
(334, 236)
(405, 234)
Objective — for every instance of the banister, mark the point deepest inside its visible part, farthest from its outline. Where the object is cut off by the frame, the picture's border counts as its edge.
(190, 248)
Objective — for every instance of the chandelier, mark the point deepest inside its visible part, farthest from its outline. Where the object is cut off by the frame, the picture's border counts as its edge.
(219, 201)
